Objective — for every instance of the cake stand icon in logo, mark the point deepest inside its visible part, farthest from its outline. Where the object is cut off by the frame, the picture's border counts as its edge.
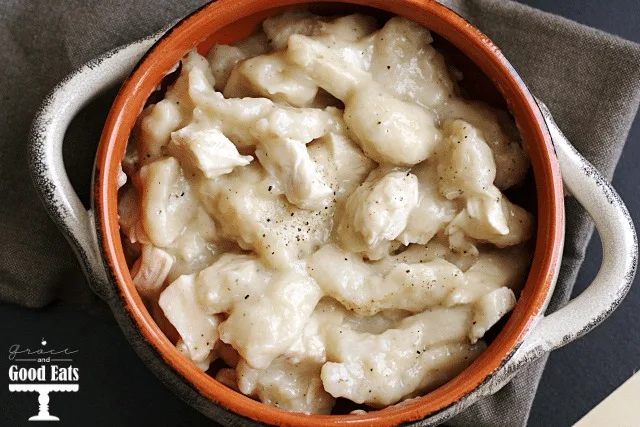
(43, 398)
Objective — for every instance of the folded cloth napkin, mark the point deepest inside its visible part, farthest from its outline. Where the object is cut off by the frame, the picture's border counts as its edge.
(588, 79)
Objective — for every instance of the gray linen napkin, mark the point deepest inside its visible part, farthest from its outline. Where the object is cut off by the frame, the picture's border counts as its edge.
(589, 80)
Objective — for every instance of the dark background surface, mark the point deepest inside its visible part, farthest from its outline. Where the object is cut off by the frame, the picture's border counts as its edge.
(117, 390)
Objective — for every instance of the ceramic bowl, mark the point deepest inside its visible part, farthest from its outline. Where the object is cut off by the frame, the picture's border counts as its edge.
(527, 334)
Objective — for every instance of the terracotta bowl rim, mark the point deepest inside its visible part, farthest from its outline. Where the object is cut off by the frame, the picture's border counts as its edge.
(550, 232)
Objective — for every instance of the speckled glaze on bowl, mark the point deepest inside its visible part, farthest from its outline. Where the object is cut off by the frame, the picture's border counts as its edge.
(528, 334)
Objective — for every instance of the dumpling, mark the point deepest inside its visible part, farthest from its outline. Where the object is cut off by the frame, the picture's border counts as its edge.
(264, 326)
(271, 76)
(222, 58)
(198, 330)
(498, 131)
(286, 385)
(340, 162)
(365, 291)
(167, 203)
(424, 351)
(388, 130)
(489, 309)
(405, 64)
(466, 171)
(350, 28)
(196, 247)
(232, 278)
(250, 210)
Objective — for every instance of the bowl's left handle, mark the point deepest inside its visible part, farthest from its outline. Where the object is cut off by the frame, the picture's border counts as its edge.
(45, 153)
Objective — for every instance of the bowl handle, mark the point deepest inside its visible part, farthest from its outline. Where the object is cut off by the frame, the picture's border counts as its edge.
(45, 153)
(619, 260)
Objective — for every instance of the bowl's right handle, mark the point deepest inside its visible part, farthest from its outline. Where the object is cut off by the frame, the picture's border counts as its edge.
(45, 152)
(619, 260)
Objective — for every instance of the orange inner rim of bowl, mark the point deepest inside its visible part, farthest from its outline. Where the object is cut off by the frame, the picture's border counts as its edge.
(212, 24)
